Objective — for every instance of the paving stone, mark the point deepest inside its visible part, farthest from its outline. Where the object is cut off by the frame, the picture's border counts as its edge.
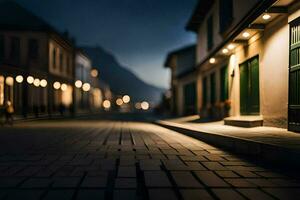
(210, 179)
(37, 183)
(127, 171)
(125, 183)
(261, 182)
(193, 158)
(161, 194)
(94, 182)
(212, 157)
(195, 194)
(90, 195)
(185, 180)
(284, 194)
(247, 174)
(66, 182)
(255, 194)
(156, 179)
(227, 174)
(195, 166)
(224, 194)
(10, 182)
(239, 183)
(125, 194)
(214, 166)
(59, 195)
(24, 194)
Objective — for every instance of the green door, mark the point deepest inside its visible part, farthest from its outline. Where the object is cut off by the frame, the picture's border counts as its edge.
(294, 77)
(249, 87)
(190, 98)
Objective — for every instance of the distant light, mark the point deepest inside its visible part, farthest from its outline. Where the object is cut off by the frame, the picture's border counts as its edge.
(9, 81)
(56, 85)
(119, 102)
(36, 82)
(63, 87)
(106, 104)
(266, 16)
(43, 83)
(145, 105)
(225, 51)
(246, 34)
(126, 98)
(212, 60)
(94, 73)
(138, 106)
(86, 87)
(78, 83)
(30, 79)
(19, 79)
(231, 46)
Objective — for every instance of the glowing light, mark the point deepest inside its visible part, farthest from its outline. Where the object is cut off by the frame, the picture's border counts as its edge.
(106, 104)
(119, 102)
(231, 46)
(9, 81)
(138, 106)
(266, 16)
(86, 87)
(30, 79)
(212, 60)
(78, 83)
(56, 85)
(19, 79)
(126, 98)
(43, 83)
(246, 34)
(63, 87)
(36, 82)
(145, 105)
(94, 73)
(225, 51)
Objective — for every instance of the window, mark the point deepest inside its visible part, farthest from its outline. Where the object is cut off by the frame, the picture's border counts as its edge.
(210, 33)
(2, 47)
(204, 93)
(33, 49)
(15, 49)
(212, 89)
(54, 57)
(224, 84)
(61, 60)
(225, 14)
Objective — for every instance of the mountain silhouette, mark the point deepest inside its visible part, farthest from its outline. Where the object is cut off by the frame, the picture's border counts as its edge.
(120, 79)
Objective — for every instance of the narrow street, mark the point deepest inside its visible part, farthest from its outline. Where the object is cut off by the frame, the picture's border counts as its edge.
(78, 159)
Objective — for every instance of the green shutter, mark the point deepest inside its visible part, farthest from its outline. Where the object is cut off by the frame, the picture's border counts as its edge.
(224, 84)
(213, 88)
(204, 92)
(190, 98)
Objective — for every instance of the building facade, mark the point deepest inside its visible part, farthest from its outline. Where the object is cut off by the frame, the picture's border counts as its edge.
(247, 61)
(184, 81)
(37, 63)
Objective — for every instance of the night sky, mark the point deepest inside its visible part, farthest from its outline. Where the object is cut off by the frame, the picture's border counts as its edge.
(138, 32)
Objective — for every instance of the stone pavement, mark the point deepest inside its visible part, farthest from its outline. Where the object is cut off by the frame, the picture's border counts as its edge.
(128, 160)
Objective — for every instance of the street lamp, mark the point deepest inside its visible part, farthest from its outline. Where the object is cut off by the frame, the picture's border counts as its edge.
(86, 87)
(78, 83)
(19, 79)
(56, 85)
(126, 98)
(30, 79)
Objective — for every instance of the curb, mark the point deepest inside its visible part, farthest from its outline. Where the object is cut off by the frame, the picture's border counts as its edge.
(268, 152)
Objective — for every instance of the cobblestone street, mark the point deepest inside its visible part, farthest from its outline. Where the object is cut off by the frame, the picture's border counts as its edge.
(128, 160)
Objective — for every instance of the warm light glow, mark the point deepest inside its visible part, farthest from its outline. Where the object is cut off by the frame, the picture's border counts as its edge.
(30, 79)
(43, 83)
(56, 85)
(119, 102)
(225, 51)
(246, 34)
(36, 82)
(78, 83)
(94, 73)
(138, 106)
(19, 79)
(266, 16)
(9, 81)
(106, 104)
(212, 60)
(86, 87)
(231, 46)
(145, 105)
(63, 87)
(126, 99)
